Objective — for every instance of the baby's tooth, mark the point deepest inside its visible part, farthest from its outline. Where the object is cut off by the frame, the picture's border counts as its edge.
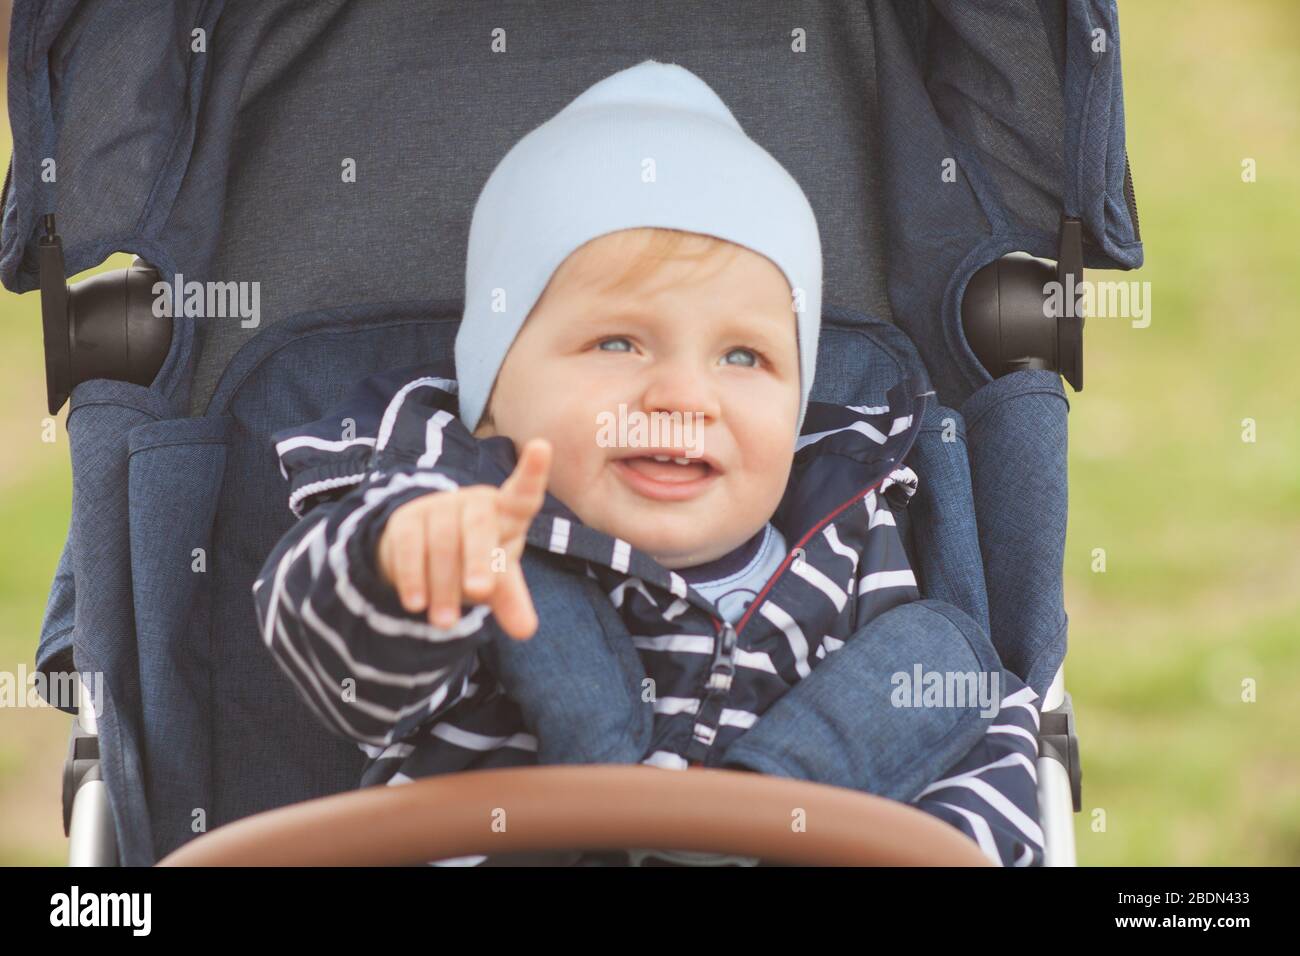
(660, 457)
(682, 461)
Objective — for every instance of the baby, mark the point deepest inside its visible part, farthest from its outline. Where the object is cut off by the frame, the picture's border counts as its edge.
(708, 336)
(636, 257)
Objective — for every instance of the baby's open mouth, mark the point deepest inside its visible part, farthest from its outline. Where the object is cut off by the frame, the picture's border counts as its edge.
(666, 468)
(668, 477)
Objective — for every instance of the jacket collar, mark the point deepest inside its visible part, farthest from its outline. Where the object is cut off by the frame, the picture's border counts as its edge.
(843, 452)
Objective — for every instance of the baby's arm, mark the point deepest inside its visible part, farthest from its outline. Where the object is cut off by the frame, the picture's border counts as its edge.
(341, 600)
(368, 668)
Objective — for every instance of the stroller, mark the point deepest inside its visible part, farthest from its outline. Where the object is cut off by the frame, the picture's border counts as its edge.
(303, 176)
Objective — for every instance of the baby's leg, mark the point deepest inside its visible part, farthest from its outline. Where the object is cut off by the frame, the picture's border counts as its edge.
(860, 720)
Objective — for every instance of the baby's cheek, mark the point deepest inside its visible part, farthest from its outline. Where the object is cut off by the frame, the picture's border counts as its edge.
(570, 467)
(773, 472)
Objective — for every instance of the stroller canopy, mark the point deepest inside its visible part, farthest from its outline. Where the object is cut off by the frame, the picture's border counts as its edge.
(209, 137)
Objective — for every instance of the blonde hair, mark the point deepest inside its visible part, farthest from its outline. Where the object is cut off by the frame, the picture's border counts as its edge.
(662, 245)
(658, 245)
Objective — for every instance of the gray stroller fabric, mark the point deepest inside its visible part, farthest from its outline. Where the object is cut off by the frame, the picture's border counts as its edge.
(225, 163)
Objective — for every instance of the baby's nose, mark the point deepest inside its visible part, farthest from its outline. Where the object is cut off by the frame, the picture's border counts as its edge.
(674, 389)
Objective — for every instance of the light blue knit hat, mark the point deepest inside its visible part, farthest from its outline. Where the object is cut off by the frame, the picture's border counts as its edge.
(581, 174)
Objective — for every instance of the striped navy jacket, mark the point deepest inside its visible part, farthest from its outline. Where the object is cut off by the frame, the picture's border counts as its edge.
(424, 700)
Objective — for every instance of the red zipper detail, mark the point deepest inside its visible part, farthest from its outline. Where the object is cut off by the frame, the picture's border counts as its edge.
(717, 624)
(786, 563)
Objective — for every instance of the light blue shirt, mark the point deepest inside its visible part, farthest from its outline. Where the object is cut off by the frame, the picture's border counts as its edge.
(734, 592)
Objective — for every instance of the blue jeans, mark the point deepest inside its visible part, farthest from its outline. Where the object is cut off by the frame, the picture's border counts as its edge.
(842, 724)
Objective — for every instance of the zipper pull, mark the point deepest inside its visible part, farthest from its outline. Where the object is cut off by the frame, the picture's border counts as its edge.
(729, 639)
(724, 666)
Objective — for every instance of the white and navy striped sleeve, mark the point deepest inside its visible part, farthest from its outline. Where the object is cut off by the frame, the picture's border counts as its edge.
(323, 459)
(885, 578)
(991, 794)
(369, 669)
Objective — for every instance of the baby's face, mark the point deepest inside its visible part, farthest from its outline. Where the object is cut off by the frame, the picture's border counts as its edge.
(711, 345)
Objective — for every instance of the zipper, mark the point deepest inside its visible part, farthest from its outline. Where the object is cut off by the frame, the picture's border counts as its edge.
(754, 605)
(723, 668)
(729, 635)
(1130, 197)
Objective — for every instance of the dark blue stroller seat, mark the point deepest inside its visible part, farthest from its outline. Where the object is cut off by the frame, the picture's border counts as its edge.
(331, 153)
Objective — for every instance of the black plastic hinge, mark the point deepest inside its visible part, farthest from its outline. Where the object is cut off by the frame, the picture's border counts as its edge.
(82, 765)
(1057, 740)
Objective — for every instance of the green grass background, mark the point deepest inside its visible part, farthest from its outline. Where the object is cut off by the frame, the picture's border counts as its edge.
(1201, 530)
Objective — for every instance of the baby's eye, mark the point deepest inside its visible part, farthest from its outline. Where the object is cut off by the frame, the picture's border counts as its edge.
(751, 357)
(614, 342)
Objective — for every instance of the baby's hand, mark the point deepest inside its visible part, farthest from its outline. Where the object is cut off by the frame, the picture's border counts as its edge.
(442, 544)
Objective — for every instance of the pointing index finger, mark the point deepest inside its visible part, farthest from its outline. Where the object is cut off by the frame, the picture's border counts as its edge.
(524, 491)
